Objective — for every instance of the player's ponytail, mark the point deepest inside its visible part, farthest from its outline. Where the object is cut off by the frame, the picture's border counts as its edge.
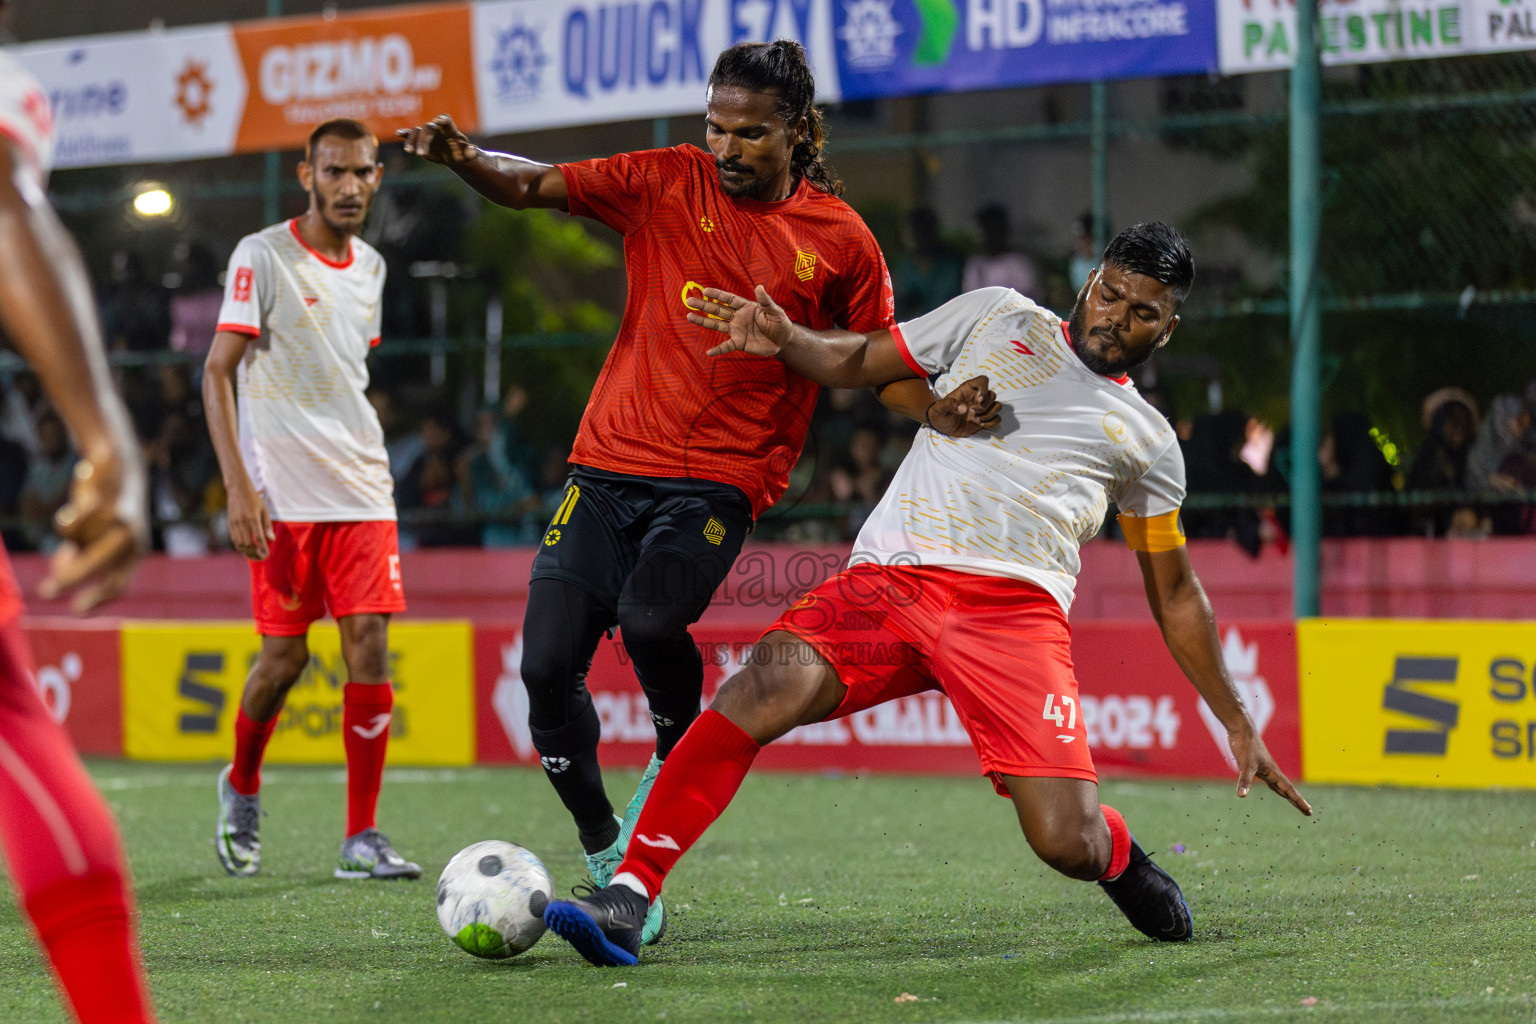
(781, 67)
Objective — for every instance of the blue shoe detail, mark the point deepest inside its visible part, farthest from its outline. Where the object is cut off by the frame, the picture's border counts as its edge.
(576, 926)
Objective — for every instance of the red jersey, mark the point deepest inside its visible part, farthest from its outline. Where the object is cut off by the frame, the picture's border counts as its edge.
(663, 408)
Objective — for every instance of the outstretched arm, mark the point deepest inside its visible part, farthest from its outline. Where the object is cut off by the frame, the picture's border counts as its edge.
(502, 178)
(1188, 623)
(835, 359)
(45, 302)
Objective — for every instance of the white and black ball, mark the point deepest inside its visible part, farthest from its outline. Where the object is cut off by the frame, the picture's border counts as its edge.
(491, 899)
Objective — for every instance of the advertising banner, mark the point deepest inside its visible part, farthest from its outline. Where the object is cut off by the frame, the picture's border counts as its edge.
(902, 47)
(392, 69)
(1142, 716)
(1427, 703)
(547, 63)
(1259, 35)
(177, 94)
(78, 671)
(182, 684)
(213, 90)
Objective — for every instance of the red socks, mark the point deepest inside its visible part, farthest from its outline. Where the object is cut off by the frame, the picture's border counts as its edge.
(64, 855)
(251, 739)
(1120, 844)
(700, 777)
(86, 926)
(365, 716)
(366, 711)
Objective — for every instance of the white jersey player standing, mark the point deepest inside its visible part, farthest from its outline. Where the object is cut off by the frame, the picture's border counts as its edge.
(311, 501)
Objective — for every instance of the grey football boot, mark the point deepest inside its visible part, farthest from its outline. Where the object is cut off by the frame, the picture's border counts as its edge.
(369, 855)
(237, 840)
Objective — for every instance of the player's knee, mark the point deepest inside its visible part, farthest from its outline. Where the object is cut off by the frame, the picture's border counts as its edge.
(765, 701)
(544, 672)
(555, 694)
(280, 665)
(366, 646)
(646, 625)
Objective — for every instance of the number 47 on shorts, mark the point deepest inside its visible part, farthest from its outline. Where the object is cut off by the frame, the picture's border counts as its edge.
(1064, 714)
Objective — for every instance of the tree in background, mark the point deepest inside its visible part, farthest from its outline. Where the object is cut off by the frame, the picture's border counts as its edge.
(1429, 202)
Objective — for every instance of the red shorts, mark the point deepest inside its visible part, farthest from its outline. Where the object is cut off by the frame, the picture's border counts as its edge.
(999, 649)
(348, 568)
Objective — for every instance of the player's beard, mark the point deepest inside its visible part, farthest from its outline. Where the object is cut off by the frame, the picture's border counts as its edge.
(326, 209)
(751, 187)
(1078, 334)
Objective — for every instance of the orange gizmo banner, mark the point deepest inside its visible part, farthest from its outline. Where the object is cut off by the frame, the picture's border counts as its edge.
(390, 70)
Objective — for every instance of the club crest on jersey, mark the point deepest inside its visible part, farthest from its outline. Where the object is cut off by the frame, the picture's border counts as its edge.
(714, 531)
(689, 289)
(1115, 428)
(705, 224)
(805, 264)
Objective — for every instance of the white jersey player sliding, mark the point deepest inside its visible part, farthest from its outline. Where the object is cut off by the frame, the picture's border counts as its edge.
(311, 502)
(965, 572)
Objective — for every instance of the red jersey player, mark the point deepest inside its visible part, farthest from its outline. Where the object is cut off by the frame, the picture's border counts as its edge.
(311, 501)
(677, 454)
(61, 845)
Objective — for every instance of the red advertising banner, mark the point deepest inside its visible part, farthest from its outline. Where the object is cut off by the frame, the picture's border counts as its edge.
(79, 670)
(1142, 715)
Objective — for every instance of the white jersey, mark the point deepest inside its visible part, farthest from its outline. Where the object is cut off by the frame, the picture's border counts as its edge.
(26, 117)
(310, 439)
(1018, 500)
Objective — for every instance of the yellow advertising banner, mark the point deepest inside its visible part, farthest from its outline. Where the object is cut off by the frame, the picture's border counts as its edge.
(182, 683)
(1419, 703)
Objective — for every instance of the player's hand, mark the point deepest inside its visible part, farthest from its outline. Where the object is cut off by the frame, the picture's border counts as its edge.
(250, 525)
(1254, 762)
(758, 328)
(970, 407)
(439, 141)
(104, 526)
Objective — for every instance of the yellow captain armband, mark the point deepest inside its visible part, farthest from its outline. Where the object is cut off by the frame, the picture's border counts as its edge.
(1152, 534)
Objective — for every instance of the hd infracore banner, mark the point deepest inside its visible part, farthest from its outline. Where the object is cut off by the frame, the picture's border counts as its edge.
(901, 47)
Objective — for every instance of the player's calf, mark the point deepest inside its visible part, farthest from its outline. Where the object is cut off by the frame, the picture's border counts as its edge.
(1074, 854)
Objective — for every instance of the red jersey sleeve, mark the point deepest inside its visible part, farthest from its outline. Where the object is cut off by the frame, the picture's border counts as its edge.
(867, 302)
(621, 191)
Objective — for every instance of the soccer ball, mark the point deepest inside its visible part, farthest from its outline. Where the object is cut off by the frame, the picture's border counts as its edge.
(491, 899)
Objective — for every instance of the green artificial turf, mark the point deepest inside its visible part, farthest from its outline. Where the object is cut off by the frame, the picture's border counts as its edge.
(829, 899)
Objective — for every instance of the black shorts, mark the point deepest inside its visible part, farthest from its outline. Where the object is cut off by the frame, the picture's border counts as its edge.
(609, 521)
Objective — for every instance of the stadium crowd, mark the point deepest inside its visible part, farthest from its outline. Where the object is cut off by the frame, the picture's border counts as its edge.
(477, 479)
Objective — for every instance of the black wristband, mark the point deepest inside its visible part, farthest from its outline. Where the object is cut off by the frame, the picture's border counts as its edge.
(927, 414)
